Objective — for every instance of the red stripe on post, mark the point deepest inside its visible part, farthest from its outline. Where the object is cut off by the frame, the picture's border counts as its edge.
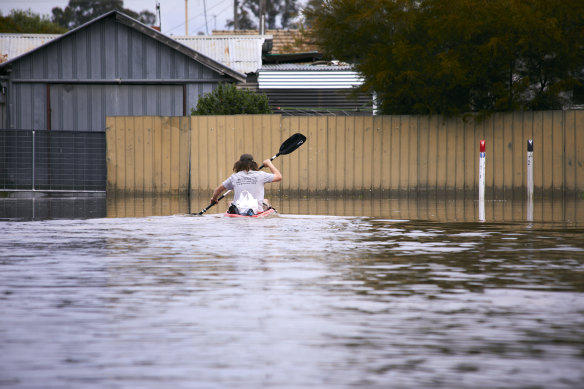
(482, 146)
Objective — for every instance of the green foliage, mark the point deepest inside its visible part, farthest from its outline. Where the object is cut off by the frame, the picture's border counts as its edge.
(228, 100)
(457, 56)
(79, 12)
(284, 10)
(18, 21)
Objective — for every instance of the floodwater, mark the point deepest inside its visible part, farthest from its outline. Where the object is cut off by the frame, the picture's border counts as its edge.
(135, 293)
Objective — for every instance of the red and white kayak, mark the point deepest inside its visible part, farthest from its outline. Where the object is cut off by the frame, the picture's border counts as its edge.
(261, 214)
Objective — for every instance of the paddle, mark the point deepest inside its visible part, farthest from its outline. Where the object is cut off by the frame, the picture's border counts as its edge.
(289, 145)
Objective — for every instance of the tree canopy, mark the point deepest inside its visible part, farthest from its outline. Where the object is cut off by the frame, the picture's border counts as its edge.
(228, 100)
(248, 12)
(19, 21)
(79, 12)
(456, 56)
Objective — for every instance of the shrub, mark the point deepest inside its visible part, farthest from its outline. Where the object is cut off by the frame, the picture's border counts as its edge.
(228, 100)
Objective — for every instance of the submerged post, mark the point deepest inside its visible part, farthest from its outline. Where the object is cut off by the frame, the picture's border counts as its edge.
(530, 180)
(33, 158)
(482, 160)
(530, 168)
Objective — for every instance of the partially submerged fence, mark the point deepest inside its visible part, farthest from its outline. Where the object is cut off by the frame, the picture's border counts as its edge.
(52, 160)
(351, 155)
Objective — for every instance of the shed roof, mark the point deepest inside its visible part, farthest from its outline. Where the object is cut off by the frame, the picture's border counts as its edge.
(136, 25)
(240, 52)
(314, 76)
(14, 45)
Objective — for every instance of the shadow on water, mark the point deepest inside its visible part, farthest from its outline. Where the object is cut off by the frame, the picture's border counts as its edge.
(75, 206)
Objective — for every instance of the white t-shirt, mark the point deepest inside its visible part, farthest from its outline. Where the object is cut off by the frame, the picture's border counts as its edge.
(252, 181)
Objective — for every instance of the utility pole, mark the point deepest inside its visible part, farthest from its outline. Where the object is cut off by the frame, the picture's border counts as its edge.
(186, 17)
(262, 17)
(158, 14)
(205, 10)
(235, 24)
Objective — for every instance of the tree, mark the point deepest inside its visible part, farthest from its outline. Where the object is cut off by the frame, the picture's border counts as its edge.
(79, 12)
(457, 56)
(286, 10)
(228, 100)
(18, 21)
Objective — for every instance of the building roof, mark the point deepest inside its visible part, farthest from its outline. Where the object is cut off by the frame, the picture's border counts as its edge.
(283, 41)
(14, 45)
(313, 76)
(324, 66)
(136, 25)
(240, 52)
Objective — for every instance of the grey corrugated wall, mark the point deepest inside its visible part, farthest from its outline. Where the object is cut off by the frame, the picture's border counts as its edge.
(104, 69)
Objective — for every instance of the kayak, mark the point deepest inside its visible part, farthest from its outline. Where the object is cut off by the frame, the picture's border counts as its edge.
(257, 215)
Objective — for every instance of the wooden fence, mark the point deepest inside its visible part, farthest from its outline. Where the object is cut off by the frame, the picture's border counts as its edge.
(351, 154)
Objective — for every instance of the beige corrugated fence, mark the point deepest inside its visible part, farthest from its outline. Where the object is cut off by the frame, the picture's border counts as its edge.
(351, 154)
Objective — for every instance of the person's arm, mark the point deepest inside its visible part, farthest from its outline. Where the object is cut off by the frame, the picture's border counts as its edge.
(275, 172)
(217, 192)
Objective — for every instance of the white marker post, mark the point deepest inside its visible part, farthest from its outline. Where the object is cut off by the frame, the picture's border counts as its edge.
(482, 161)
(530, 180)
(530, 169)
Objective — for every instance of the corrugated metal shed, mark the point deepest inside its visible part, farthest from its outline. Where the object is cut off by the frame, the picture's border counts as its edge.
(242, 53)
(291, 76)
(110, 66)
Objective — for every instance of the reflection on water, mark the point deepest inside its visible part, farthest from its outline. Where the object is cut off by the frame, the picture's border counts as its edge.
(290, 302)
(570, 211)
(43, 207)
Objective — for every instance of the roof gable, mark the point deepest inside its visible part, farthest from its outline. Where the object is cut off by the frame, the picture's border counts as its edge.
(144, 48)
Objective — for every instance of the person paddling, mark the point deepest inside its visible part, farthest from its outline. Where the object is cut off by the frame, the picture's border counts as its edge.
(247, 182)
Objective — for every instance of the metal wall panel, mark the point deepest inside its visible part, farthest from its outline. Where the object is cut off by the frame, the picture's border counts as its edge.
(85, 107)
(300, 101)
(356, 154)
(28, 106)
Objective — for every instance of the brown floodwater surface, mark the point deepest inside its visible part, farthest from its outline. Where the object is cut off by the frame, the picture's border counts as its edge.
(339, 293)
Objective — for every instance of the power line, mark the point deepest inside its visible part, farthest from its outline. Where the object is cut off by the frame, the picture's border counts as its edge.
(201, 26)
(201, 14)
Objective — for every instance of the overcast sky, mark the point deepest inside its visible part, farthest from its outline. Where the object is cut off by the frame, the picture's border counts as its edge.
(172, 12)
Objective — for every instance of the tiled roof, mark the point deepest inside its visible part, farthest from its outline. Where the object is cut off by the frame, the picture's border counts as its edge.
(284, 41)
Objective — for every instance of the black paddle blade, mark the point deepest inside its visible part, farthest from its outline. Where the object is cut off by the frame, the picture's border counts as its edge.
(292, 143)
